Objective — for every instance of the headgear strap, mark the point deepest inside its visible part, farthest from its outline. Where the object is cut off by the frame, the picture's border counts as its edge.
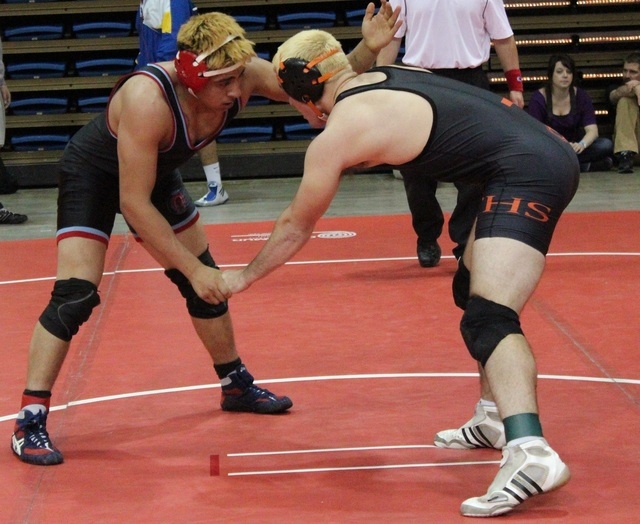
(214, 72)
(302, 80)
(192, 70)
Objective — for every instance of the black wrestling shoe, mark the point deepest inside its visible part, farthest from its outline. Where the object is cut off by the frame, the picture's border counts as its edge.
(428, 253)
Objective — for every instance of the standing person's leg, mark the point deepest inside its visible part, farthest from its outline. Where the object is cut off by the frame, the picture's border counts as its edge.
(75, 294)
(214, 327)
(485, 428)
(8, 182)
(504, 274)
(426, 216)
(216, 194)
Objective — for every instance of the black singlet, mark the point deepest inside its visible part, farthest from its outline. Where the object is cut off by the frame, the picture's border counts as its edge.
(529, 173)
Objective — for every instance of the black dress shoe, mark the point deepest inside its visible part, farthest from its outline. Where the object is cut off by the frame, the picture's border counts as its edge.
(625, 161)
(428, 253)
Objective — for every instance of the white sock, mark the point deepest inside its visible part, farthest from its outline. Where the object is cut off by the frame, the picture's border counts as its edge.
(212, 172)
(487, 403)
(521, 440)
(34, 408)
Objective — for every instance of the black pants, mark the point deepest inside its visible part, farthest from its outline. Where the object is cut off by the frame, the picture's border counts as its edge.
(8, 182)
(426, 213)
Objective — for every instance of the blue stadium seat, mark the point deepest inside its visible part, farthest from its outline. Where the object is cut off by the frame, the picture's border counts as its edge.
(40, 142)
(40, 105)
(302, 131)
(245, 134)
(34, 32)
(101, 29)
(92, 104)
(256, 100)
(355, 16)
(306, 20)
(252, 23)
(105, 66)
(36, 70)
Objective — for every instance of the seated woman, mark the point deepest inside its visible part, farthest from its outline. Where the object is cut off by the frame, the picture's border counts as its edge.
(571, 114)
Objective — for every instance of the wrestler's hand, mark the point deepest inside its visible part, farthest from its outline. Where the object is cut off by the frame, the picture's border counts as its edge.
(209, 285)
(378, 30)
(234, 278)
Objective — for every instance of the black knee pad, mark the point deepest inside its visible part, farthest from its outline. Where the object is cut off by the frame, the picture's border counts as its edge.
(197, 307)
(70, 306)
(484, 325)
(460, 285)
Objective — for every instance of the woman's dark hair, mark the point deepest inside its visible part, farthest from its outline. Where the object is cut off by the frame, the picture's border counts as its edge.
(567, 62)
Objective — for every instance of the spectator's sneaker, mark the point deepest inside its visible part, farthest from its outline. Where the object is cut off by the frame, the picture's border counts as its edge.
(240, 394)
(602, 165)
(215, 196)
(625, 161)
(7, 217)
(484, 430)
(526, 470)
(31, 442)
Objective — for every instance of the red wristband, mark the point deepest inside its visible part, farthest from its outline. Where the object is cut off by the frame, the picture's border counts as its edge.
(514, 80)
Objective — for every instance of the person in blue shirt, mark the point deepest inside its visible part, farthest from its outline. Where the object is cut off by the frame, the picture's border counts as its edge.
(157, 23)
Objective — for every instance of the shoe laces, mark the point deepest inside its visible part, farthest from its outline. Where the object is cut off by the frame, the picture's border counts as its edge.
(35, 429)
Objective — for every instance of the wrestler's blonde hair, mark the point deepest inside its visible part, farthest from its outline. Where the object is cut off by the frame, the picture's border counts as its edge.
(310, 44)
(208, 31)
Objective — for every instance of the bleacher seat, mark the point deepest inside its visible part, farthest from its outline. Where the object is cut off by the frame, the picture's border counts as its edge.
(355, 16)
(306, 20)
(45, 105)
(245, 134)
(40, 142)
(252, 22)
(302, 131)
(256, 100)
(34, 32)
(36, 70)
(101, 29)
(105, 66)
(92, 104)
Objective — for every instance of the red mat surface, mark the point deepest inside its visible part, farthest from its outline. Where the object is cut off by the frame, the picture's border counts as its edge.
(366, 344)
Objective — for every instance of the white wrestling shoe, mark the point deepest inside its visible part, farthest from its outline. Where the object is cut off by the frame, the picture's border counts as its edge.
(216, 196)
(484, 430)
(526, 470)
